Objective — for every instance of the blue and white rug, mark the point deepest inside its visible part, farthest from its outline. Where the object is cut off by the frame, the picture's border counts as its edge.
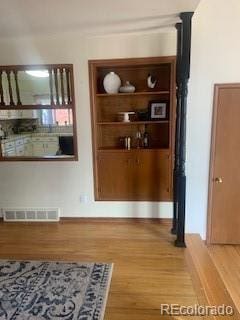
(32, 290)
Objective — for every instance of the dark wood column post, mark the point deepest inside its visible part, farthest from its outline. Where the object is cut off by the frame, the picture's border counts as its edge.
(183, 77)
(177, 135)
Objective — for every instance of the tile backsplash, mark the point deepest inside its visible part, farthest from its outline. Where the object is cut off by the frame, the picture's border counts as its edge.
(7, 125)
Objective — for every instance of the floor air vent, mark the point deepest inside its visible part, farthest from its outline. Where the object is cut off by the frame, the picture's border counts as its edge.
(31, 214)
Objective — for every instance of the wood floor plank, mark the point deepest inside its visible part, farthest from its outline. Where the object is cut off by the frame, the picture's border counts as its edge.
(135, 314)
(211, 282)
(145, 301)
(227, 261)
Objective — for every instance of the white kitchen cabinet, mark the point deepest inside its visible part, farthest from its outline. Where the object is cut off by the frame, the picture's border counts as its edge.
(51, 148)
(18, 114)
(31, 146)
(19, 142)
(8, 145)
(13, 114)
(21, 146)
(8, 114)
(38, 149)
(20, 150)
(27, 114)
(8, 148)
(9, 153)
(28, 147)
(45, 146)
(28, 150)
(3, 114)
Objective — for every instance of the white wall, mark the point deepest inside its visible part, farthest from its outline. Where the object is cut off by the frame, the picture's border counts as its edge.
(61, 184)
(215, 59)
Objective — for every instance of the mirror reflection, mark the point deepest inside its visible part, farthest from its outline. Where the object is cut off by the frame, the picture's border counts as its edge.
(37, 133)
(37, 118)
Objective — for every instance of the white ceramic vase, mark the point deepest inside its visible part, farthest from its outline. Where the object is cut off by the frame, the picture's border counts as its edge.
(111, 82)
(127, 88)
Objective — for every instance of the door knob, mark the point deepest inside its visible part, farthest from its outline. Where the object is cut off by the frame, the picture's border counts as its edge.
(218, 180)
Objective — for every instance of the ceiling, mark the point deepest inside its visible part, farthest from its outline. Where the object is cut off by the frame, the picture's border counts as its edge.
(32, 17)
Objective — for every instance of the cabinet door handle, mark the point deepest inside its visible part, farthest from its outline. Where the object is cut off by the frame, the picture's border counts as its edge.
(138, 161)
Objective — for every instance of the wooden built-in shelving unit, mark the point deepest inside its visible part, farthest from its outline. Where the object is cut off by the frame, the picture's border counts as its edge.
(140, 173)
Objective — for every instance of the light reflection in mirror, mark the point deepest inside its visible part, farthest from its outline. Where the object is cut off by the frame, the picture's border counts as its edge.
(37, 112)
(38, 73)
(33, 90)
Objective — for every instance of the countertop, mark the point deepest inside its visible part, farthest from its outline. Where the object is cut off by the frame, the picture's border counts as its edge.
(35, 134)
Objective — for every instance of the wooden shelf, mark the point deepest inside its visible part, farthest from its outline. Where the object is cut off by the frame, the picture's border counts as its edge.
(114, 149)
(131, 122)
(132, 94)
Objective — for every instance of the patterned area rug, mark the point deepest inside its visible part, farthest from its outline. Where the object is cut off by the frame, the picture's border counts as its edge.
(53, 290)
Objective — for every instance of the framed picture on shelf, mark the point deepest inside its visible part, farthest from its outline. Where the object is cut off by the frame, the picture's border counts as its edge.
(158, 110)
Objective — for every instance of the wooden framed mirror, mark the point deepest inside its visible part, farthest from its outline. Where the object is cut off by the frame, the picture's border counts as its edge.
(37, 113)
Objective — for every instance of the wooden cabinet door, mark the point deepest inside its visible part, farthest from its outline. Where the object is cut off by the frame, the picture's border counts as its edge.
(135, 175)
(115, 181)
(152, 176)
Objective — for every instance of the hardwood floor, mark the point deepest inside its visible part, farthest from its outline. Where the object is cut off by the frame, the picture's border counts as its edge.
(209, 284)
(148, 269)
(227, 261)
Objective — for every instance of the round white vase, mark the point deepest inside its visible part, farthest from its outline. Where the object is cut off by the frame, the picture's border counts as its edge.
(127, 88)
(111, 82)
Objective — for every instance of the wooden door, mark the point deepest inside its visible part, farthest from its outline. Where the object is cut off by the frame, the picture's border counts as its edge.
(224, 184)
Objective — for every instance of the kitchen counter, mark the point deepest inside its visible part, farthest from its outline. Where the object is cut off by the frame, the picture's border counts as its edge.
(14, 137)
(55, 134)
